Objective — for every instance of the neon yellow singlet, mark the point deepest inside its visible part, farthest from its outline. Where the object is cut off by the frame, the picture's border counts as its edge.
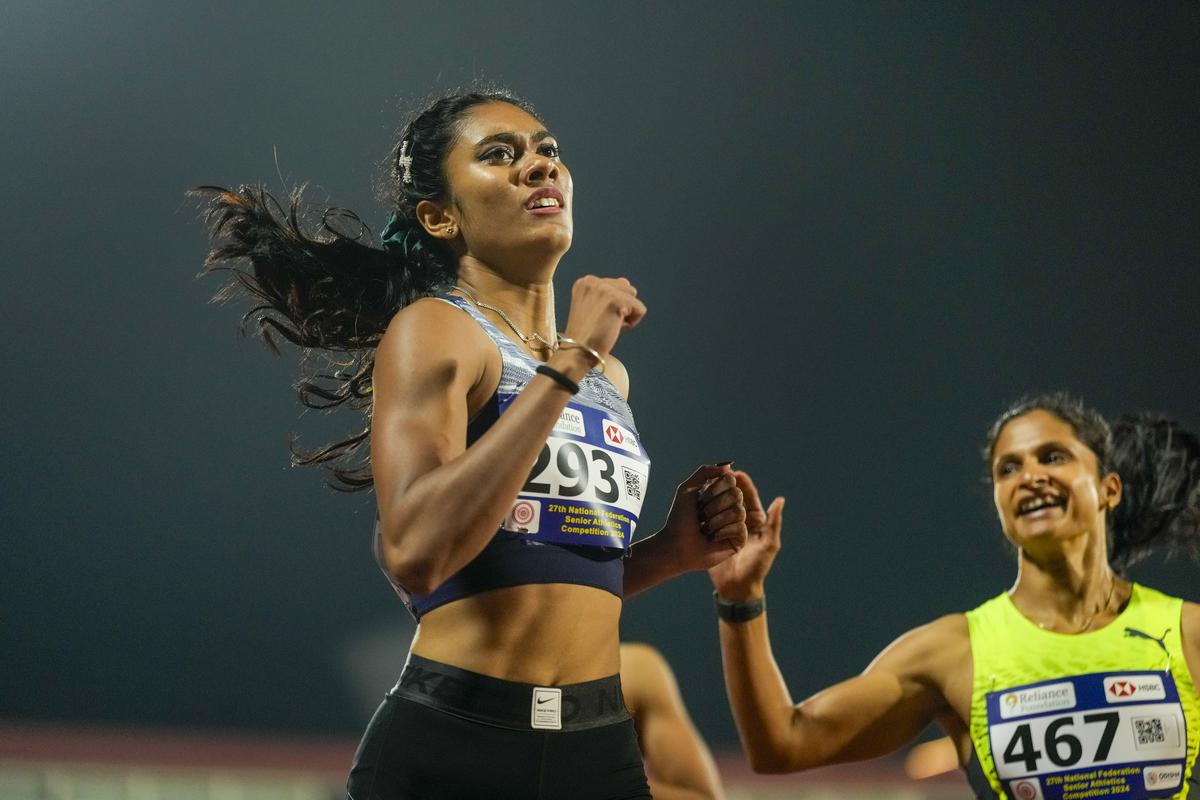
(1111, 713)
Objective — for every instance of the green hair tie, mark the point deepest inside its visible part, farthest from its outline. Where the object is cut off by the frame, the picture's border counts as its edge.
(400, 233)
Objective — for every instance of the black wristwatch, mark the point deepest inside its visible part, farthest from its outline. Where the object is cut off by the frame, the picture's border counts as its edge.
(739, 612)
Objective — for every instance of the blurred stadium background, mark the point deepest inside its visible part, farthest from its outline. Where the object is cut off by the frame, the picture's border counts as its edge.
(860, 227)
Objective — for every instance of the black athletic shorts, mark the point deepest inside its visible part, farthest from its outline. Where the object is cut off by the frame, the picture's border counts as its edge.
(444, 733)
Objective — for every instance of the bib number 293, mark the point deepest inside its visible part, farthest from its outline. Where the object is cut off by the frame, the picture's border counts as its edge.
(567, 469)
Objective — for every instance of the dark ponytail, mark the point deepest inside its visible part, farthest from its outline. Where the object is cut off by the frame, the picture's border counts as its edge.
(1159, 465)
(326, 287)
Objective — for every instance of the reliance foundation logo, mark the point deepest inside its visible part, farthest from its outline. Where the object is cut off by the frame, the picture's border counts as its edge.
(571, 421)
(1051, 697)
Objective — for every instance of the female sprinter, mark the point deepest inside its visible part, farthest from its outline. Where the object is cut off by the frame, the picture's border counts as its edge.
(506, 463)
(1075, 683)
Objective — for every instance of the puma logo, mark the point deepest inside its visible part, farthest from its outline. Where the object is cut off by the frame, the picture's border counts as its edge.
(1159, 640)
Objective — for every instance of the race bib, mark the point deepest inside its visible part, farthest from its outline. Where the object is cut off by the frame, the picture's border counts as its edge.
(587, 484)
(1108, 735)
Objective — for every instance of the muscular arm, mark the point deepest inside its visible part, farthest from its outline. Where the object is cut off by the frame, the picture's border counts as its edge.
(678, 763)
(439, 502)
(869, 715)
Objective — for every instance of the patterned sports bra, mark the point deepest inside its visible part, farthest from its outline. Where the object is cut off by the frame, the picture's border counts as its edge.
(574, 518)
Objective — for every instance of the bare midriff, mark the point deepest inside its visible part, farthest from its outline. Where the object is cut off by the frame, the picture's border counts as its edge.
(546, 634)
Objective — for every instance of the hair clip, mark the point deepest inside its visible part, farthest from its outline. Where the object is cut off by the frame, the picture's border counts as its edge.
(404, 161)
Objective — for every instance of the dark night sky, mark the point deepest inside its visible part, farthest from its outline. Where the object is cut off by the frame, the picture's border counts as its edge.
(860, 229)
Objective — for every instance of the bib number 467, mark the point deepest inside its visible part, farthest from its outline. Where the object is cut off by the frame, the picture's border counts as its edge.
(1059, 744)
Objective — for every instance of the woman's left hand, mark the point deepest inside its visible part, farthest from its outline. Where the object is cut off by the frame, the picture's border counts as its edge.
(707, 520)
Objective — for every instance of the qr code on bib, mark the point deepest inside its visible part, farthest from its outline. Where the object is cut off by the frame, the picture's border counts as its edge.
(633, 483)
(1149, 730)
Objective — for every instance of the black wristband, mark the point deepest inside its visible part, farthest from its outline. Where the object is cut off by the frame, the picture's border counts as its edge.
(739, 612)
(556, 376)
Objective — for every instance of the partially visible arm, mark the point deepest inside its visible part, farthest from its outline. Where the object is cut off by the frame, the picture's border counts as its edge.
(705, 526)
(678, 763)
(867, 716)
(645, 567)
(1191, 639)
(648, 563)
(709, 494)
(617, 375)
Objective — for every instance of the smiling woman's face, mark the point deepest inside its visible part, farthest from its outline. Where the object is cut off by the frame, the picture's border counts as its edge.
(1046, 482)
(511, 194)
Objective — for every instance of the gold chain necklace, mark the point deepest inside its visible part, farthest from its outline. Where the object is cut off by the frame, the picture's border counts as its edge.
(527, 338)
(1087, 623)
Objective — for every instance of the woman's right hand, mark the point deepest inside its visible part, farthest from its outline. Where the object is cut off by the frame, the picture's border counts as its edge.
(600, 309)
(741, 576)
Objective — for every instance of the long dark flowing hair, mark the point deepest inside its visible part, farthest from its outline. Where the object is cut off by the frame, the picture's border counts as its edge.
(320, 282)
(1159, 464)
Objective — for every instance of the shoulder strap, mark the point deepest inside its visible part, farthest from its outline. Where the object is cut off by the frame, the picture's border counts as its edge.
(978, 781)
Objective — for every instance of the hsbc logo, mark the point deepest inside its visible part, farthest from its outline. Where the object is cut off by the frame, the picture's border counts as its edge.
(617, 435)
(1122, 689)
(1134, 688)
